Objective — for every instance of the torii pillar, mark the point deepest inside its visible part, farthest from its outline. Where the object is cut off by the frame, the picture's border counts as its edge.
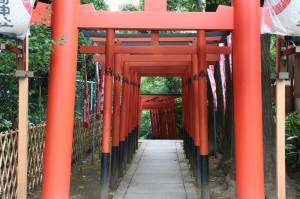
(248, 99)
(61, 100)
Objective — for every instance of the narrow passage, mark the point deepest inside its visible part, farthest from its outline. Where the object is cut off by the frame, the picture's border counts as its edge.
(158, 170)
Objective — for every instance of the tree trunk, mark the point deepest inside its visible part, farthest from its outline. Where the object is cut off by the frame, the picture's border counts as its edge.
(220, 109)
(268, 119)
(227, 141)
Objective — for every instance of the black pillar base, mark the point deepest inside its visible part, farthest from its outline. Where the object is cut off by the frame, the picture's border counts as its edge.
(204, 177)
(197, 168)
(114, 174)
(137, 137)
(129, 147)
(104, 176)
(121, 158)
(126, 153)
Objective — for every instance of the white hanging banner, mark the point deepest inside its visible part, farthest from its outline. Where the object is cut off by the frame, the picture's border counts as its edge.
(223, 77)
(102, 80)
(281, 17)
(210, 73)
(229, 43)
(15, 16)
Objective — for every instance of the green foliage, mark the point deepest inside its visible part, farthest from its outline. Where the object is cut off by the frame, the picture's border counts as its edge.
(5, 125)
(160, 85)
(99, 4)
(218, 2)
(273, 53)
(182, 5)
(179, 123)
(128, 7)
(146, 125)
(293, 140)
(40, 48)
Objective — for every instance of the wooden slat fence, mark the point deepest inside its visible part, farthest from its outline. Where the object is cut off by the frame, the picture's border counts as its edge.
(36, 143)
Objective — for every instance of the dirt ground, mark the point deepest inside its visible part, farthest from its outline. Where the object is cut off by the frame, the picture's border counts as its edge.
(85, 181)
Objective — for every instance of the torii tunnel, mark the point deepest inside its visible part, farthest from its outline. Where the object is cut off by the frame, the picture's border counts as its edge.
(133, 56)
(162, 114)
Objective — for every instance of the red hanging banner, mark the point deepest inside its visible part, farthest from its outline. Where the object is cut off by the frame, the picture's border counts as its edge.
(86, 107)
(99, 102)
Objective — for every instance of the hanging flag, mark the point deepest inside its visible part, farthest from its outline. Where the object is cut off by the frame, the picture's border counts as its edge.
(210, 72)
(98, 111)
(86, 109)
(229, 43)
(102, 88)
(223, 77)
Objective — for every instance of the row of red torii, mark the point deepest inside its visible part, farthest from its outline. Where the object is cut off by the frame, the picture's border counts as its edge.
(243, 19)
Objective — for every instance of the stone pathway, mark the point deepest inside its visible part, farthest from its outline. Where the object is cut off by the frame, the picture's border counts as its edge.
(158, 171)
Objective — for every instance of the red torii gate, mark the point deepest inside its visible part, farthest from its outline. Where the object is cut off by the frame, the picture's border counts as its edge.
(165, 104)
(68, 16)
(155, 65)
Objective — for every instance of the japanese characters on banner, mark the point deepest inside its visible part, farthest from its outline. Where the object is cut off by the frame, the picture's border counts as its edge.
(15, 16)
(210, 73)
(281, 17)
(86, 107)
(223, 77)
(100, 90)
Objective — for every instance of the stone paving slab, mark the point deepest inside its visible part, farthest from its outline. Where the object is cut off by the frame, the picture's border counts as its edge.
(156, 188)
(158, 171)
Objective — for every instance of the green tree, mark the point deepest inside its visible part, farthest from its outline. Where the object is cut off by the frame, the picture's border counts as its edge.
(99, 4)
(129, 7)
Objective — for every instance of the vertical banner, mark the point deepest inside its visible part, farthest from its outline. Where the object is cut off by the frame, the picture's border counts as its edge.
(86, 108)
(210, 72)
(223, 77)
(102, 88)
(98, 97)
(229, 43)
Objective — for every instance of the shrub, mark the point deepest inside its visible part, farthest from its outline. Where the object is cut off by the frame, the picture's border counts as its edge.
(293, 140)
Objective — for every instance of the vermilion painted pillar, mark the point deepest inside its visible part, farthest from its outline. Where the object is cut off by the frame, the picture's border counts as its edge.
(130, 112)
(134, 113)
(124, 117)
(151, 120)
(159, 122)
(137, 111)
(190, 116)
(164, 119)
(61, 100)
(156, 123)
(107, 116)
(201, 54)
(153, 124)
(174, 119)
(196, 118)
(183, 114)
(185, 111)
(248, 99)
(116, 125)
